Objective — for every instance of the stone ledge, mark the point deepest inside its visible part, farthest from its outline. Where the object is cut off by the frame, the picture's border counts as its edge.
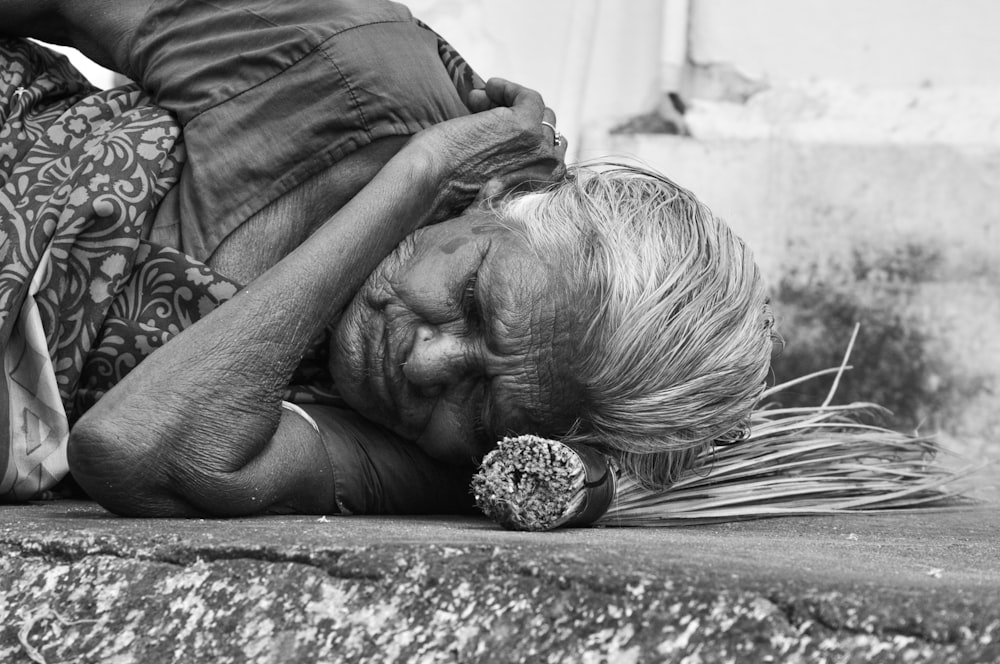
(79, 585)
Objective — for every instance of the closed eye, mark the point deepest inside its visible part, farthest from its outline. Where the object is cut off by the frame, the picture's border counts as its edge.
(470, 307)
(478, 427)
(481, 413)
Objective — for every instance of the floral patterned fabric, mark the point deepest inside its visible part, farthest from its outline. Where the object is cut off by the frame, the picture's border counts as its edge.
(83, 296)
(81, 172)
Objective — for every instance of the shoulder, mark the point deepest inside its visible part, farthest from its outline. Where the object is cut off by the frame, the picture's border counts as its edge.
(100, 29)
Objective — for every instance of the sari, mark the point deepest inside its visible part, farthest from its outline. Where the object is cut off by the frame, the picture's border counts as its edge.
(83, 295)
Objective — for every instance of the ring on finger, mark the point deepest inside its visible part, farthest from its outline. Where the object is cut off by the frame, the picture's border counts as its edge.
(557, 138)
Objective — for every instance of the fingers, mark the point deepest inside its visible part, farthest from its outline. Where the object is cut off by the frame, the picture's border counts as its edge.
(507, 93)
(500, 92)
(517, 143)
(551, 130)
(497, 92)
(479, 101)
(549, 125)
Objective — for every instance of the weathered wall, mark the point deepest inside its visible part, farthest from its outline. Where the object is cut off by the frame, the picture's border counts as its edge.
(856, 146)
(880, 43)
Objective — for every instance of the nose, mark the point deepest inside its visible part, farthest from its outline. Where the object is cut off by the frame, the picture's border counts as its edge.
(437, 359)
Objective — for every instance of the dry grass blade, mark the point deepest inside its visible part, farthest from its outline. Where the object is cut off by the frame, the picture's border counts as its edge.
(797, 461)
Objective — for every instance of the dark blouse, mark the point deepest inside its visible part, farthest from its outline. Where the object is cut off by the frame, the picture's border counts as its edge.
(270, 93)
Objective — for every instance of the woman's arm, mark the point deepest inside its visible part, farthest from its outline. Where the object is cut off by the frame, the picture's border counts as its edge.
(198, 426)
(100, 29)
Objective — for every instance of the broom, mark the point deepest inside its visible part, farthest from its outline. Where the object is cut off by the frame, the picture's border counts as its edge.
(796, 461)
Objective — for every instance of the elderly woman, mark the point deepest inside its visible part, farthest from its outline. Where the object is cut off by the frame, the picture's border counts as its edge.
(610, 308)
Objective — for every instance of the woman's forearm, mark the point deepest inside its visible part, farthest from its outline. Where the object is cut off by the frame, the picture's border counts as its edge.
(33, 18)
(192, 428)
(100, 29)
(208, 403)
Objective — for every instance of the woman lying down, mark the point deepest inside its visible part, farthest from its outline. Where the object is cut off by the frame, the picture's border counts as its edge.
(370, 368)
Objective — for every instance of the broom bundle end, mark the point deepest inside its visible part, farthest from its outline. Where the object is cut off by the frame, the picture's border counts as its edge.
(532, 483)
(796, 461)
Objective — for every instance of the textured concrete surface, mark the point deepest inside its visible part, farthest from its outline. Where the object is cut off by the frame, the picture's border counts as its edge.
(77, 584)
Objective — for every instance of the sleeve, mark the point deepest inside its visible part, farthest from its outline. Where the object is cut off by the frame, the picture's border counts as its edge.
(376, 472)
(270, 94)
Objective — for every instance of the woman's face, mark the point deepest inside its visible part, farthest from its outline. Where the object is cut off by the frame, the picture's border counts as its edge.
(455, 340)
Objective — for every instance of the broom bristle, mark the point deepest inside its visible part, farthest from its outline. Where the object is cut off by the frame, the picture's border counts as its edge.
(796, 461)
(530, 483)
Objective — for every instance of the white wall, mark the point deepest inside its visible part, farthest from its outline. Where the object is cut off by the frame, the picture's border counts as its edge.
(591, 59)
(874, 43)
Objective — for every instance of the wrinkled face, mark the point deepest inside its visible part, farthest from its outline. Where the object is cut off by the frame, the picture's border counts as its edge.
(454, 341)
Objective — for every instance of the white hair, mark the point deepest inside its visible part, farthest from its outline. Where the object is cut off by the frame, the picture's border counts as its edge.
(676, 332)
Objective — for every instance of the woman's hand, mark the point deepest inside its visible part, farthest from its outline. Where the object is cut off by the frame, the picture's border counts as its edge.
(503, 145)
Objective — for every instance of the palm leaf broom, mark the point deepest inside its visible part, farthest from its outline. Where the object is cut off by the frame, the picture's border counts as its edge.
(796, 461)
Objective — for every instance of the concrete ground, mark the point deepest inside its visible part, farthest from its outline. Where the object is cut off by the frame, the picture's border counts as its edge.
(79, 585)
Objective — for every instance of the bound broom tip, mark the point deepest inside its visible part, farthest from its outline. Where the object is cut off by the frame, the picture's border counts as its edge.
(536, 484)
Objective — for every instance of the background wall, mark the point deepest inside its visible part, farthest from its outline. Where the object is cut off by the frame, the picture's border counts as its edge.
(878, 43)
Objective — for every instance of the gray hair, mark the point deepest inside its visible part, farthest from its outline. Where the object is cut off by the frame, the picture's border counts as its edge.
(677, 332)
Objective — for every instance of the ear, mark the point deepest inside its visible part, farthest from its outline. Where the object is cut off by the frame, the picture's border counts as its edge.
(537, 177)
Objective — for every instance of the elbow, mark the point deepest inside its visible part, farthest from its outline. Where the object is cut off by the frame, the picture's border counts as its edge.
(133, 471)
(118, 473)
(93, 462)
